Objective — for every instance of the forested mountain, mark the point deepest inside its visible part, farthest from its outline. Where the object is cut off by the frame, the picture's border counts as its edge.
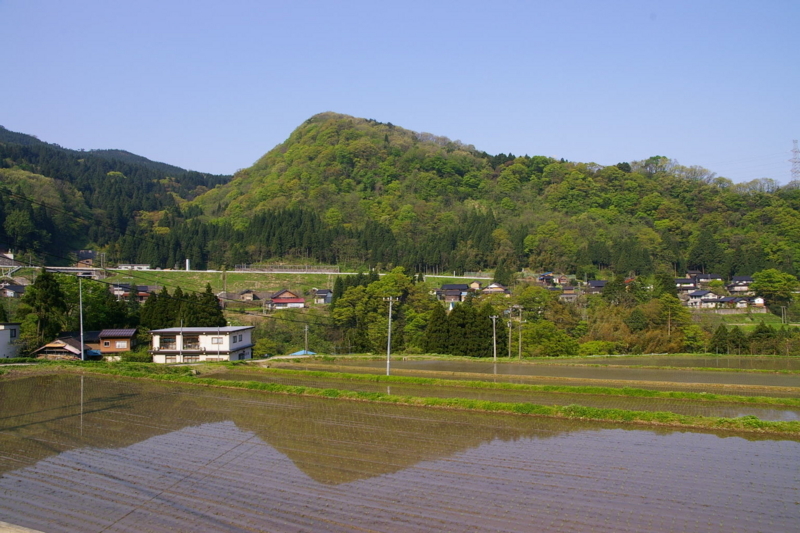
(55, 200)
(348, 189)
(344, 189)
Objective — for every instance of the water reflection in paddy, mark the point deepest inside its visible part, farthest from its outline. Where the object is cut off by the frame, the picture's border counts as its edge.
(583, 372)
(130, 455)
(686, 407)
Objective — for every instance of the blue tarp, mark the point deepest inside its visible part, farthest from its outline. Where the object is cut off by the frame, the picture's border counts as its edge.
(303, 352)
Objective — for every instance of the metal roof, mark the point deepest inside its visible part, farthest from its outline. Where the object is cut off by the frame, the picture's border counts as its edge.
(117, 333)
(223, 329)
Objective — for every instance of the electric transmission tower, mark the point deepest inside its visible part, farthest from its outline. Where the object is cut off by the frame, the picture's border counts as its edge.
(795, 161)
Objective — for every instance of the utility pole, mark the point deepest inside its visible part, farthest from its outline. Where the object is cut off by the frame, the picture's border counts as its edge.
(494, 336)
(795, 161)
(389, 340)
(80, 313)
(306, 340)
(509, 334)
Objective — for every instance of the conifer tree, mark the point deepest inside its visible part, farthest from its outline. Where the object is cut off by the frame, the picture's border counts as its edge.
(719, 341)
(45, 307)
(437, 333)
(736, 340)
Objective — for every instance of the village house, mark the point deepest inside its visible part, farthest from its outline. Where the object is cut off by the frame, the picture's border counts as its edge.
(740, 286)
(702, 299)
(9, 339)
(248, 295)
(685, 285)
(68, 346)
(190, 345)
(495, 288)
(704, 280)
(117, 340)
(568, 294)
(122, 291)
(132, 266)
(11, 290)
(322, 296)
(284, 299)
(452, 293)
(85, 258)
(595, 286)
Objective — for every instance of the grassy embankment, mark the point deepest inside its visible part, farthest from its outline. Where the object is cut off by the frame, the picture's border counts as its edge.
(657, 418)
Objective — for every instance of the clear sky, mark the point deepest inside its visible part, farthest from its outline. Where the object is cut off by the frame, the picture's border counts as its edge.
(213, 85)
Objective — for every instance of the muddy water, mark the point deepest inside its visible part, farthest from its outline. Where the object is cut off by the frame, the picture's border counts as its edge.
(139, 456)
(582, 372)
(685, 407)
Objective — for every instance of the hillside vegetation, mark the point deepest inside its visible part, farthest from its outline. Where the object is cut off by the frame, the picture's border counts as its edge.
(355, 190)
(358, 192)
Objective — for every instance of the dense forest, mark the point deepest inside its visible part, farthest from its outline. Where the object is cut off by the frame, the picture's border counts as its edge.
(363, 193)
(55, 200)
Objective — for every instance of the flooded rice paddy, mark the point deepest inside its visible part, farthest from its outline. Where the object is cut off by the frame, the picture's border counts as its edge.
(105, 454)
(555, 370)
(685, 407)
(749, 362)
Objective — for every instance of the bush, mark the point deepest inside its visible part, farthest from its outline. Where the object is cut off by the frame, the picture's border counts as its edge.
(598, 348)
(136, 357)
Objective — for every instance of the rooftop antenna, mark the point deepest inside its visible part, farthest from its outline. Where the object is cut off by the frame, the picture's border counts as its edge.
(795, 161)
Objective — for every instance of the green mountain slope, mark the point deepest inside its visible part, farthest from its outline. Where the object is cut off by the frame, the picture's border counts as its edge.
(55, 200)
(444, 204)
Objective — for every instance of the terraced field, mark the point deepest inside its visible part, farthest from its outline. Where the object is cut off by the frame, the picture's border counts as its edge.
(87, 452)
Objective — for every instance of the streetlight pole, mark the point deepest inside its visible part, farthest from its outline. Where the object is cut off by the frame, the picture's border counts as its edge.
(80, 312)
(509, 335)
(494, 337)
(389, 339)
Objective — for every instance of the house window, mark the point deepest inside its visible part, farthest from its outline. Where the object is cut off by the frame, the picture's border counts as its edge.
(240, 338)
(121, 344)
(170, 359)
(191, 358)
(191, 342)
(216, 340)
(106, 344)
(13, 333)
(168, 343)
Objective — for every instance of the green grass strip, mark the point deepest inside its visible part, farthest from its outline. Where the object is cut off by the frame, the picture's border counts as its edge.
(565, 389)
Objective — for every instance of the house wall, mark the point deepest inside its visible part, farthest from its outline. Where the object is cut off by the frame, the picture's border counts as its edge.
(9, 338)
(232, 347)
(112, 345)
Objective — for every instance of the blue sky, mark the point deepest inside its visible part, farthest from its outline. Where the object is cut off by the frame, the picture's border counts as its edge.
(212, 86)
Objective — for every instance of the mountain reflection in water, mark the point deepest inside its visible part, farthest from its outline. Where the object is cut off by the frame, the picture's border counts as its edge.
(150, 456)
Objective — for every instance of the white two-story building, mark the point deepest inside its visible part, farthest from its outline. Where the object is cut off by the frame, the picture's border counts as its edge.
(9, 339)
(191, 345)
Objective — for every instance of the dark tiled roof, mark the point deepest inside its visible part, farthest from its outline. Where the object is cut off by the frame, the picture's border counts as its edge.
(455, 287)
